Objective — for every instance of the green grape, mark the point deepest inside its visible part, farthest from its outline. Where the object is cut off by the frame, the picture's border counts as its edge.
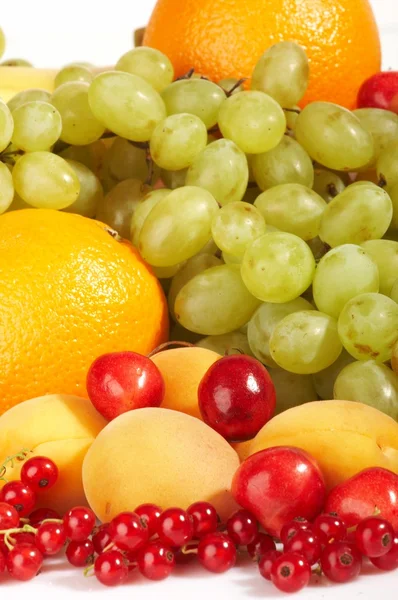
(227, 344)
(394, 359)
(278, 267)
(253, 120)
(2, 42)
(381, 124)
(148, 63)
(282, 72)
(28, 96)
(6, 188)
(385, 255)
(215, 301)
(292, 207)
(235, 226)
(126, 104)
(45, 180)
(230, 259)
(362, 212)
(209, 248)
(91, 155)
(305, 342)
(393, 192)
(73, 73)
(291, 115)
(371, 383)
(228, 84)
(327, 184)
(368, 327)
(221, 168)
(263, 323)
(287, 163)
(194, 96)
(177, 141)
(174, 179)
(167, 272)
(394, 291)
(342, 274)
(291, 389)
(6, 126)
(37, 126)
(91, 192)
(16, 62)
(324, 380)
(79, 125)
(387, 165)
(142, 211)
(117, 207)
(177, 227)
(334, 136)
(126, 161)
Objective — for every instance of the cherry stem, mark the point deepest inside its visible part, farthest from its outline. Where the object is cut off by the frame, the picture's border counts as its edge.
(9, 461)
(167, 345)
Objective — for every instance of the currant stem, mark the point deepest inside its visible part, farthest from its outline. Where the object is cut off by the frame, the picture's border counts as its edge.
(19, 456)
(108, 547)
(25, 529)
(89, 571)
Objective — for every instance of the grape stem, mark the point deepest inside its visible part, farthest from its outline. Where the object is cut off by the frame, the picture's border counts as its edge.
(9, 156)
(382, 181)
(235, 86)
(9, 461)
(186, 75)
(167, 345)
(293, 110)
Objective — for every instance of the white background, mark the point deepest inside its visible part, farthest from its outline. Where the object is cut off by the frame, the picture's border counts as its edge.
(55, 32)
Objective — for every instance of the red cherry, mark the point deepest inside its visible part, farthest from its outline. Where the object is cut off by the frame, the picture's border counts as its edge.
(205, 518)
(20, 496)
(389, 561)
(79, 523)
(307, 544)
(374, 537)
(80, 554)
(50, 538)
(149, 513)
(290, 529)
(266, 561)
(242, 527)
(237, 397)
(341, 562)
(9, 517)
(123, 381)
(24, 562)
(156, 561)
(101, 538)
(261, 544)
(41, 514)
(217, 552)
(380, 91)
(110, 568)
(128, 531)
(290, 572)
(40, 473)
(175, 527)
(329, 528)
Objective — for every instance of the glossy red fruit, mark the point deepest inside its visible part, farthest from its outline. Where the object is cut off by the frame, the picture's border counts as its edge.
(242, 527)
(290, 529)
(204, 517)
(128, 531)
(50, 538)
(217, 552)
(380, 91)
(110, 568)
(341, 562)
(79, 523)
(329, 528)
(355, 499)
(101, 538)
(24, 562)
(237, 397)
(279, 484)
(123, 381)
(261, 544)
(156, 561)
(175, 527)
(41, 514)
(80, 554)
(389, 561)
(9, 517)
(40, 473)
(307, 544)
(290, 573)
(2, 563)
(20, 496)
(149, 513)
(266, 561)
(374, 537)
(23, 538)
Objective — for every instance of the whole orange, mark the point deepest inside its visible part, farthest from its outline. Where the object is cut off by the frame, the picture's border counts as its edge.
(69, 292)
(225, 38)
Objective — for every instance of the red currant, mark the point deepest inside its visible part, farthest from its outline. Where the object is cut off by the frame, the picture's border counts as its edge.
(101, 538)
(2, 563)
(389, 561)
(374, 537)
(175, 527)
(80, 554)
(50, 538)
(20, 496)
(156, 561)
(329, 528)
(292, 527)
(290, 572)
(242, 527)
(79, 523)
(24, 562)
(261, 544)
(341, 562)
(266, 561)
(9, 517)
(40, 473)
(217, 552)
(128, 531)
(205, 518)
(307, 544)
(39, 515)
(149, 513)
(23, 538)
(110, 568)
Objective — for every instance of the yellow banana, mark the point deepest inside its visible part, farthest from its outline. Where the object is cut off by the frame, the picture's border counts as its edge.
(16, 79)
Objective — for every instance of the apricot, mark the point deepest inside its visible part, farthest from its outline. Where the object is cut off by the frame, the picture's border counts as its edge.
(161, 456)
(60, 427)
(343, 437)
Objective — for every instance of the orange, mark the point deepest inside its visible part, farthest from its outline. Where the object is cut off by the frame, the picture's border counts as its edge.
(225, 38)
(69, 292)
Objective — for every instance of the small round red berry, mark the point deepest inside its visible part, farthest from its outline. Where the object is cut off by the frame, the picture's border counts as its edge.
(9, 517)
(175, 527)
(242, 527)
(265, 562)
(261, 544)
(39, 515)
(128, 531)
(80, 554)
(20, 496)
(101, 538)
(290, 572)
(389, 561)
(149, 513)
(217, 552)
(24, 562)
(307, 544)
(341, 562)
(40, 473)
(79, 523)
(374, 537)
(23, 538)
(2, 563)
(205, 518)
(110, 568)
(50, 538)
(292, 527)
(329, 528)
(156, 561)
